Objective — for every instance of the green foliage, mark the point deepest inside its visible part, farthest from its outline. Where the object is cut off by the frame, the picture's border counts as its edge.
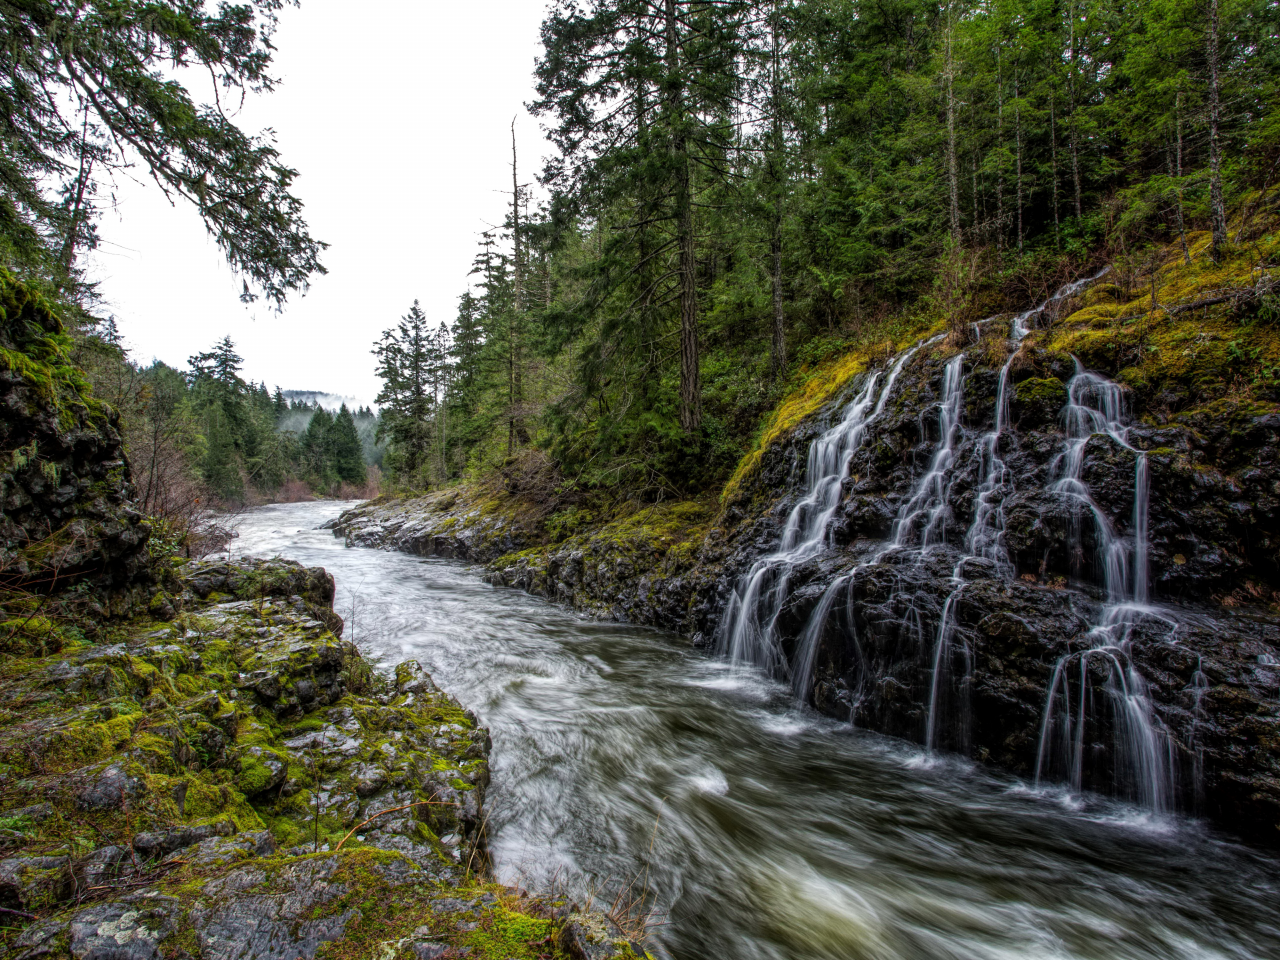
(412, 362)
(34, 345)
(857, 172)
(90, 87)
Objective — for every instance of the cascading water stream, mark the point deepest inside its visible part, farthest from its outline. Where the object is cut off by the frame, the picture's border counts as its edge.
(928, 500)
(927, 509)
(985, 537)
(1143, 749)
(747, 630)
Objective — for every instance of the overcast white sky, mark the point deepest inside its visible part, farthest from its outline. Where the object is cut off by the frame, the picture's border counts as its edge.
(399, 126)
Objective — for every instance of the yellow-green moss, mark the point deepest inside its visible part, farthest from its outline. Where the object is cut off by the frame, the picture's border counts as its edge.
(1166, 346)
(816, 388)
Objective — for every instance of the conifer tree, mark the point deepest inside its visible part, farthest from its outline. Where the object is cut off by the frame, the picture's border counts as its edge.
(98, 85)
(344, 448)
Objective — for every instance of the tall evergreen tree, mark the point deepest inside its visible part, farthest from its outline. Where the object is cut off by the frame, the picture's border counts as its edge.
(344, 448)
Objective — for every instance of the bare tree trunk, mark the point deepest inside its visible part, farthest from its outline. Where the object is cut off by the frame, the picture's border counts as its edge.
(70, 242)
(1072, 124)
(518, 434)
(1177, 172)
(973, 167)
(779, 345)
(999, 153)
(690, 375)
(953, 175)
(1053, 166)
(1218, 209)
(1017, 121)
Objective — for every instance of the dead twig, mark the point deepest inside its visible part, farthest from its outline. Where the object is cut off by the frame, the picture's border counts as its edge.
(380, 813)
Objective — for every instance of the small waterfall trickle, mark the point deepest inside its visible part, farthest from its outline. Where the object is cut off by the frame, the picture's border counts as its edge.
(747, 631)
(1144, 762)
(928, 501)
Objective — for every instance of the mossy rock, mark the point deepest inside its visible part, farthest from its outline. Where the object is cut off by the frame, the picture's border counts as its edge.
(1038, 401)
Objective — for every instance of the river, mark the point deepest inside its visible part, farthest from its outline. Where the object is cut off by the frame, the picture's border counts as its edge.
(621, 756)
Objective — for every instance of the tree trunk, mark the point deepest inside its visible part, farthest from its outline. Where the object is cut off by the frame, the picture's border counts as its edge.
(1053, 166)
(953, 174)
(779, 318)
(779, 345)
(1072, 124)
(71, 241)
(1177, 172)
(1218, 210)
(690, 375)
(519, 434)
(999, 154)
(1017, 122)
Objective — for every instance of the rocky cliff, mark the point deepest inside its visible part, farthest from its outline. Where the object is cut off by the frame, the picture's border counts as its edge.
(65, 516)
(1049, 542)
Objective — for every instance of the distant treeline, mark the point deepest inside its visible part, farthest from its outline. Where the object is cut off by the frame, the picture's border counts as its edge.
(205, 433)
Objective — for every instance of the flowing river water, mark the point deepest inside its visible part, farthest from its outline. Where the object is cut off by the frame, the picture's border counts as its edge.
(623, 756)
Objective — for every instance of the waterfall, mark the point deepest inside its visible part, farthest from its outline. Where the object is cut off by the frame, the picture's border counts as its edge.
(747, 630)
(1144, 760)
(929, 500)
(985, 536)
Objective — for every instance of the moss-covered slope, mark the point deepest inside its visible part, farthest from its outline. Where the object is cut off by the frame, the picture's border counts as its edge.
(66, 524)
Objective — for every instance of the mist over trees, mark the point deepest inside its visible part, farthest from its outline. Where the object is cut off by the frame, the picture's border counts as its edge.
(741, 189)
(205, 438)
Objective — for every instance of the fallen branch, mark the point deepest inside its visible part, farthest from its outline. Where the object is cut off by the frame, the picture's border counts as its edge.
(381, 813)
(18, 913)
(1239, 295)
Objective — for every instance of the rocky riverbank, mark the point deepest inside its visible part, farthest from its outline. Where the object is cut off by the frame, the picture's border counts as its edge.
(990, 652)
(224, 777)
(193, 763)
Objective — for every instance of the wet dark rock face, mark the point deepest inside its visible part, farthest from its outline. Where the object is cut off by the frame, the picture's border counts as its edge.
(1211, 671)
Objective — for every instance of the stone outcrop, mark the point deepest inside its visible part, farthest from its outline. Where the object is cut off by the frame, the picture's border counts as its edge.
(65, 516)
(224, 777)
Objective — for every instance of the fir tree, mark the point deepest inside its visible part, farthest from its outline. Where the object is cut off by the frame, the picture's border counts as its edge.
(344, 448)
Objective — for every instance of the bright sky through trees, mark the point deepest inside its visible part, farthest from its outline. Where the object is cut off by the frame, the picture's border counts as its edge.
(399, 126)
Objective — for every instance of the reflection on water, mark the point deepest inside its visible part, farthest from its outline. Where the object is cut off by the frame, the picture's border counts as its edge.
(766, 831)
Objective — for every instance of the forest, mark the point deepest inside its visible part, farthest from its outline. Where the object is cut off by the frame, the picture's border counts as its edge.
(203, 439)
(737, 192)
(741, 190)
